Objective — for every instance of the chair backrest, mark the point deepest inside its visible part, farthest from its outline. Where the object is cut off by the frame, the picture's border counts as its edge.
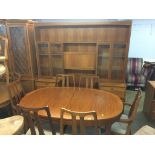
(135, 104)
(81, 116)
(33, 120)
(16, 92)
(89, 81)
(66, 80)
(134, 65)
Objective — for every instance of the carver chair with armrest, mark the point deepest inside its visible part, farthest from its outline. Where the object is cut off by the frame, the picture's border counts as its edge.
(34, 123)
(16, 92)
(123, 126)
(89, 81)
(78, 116)
(135, 75)
(65, 80)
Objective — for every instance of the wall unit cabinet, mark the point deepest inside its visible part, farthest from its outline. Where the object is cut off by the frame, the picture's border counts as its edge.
(149, 102)
(89, 48)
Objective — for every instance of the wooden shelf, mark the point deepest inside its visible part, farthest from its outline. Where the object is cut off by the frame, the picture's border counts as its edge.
(44, 54)
(78, 53)
(73, 68)
(83, 42)
(3, 58)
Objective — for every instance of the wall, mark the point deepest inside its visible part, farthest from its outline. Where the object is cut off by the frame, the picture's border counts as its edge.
(142, 41)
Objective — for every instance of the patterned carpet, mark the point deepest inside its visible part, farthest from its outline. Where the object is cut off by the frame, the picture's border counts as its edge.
(141, 119)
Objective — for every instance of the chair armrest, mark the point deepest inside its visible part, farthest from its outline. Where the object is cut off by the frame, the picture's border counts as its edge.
(125, 120)
(128, 104)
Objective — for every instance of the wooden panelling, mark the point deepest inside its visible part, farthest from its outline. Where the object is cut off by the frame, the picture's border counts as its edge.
(41, 83)
(85, 48)
(80, 60)
(116, 88)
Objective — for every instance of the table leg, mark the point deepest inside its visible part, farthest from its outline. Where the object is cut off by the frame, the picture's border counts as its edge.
(108, 128)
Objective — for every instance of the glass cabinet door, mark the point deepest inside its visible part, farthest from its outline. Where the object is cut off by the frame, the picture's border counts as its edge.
(44, 59)
(118, 61)
(56, 54)
(57, 64)
(103, 60)
(19, 50)
(44, 65)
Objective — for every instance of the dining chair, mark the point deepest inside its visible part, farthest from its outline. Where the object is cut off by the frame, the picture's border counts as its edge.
(34, 123)
(145, 130)
(12, 125)
(16, 92)
(65, 80)
(89, 81)
(123, 126)
(78, 120)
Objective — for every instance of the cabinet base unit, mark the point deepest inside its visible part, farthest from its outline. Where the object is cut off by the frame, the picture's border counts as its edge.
(41, 83)
(149, 102)
(116, 88)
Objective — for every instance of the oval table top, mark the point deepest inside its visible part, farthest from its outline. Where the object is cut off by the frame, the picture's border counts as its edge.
(11, 125)
(108, 106)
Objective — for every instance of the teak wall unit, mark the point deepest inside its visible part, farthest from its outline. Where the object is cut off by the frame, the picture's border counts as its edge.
(22, 50)
(91, 48)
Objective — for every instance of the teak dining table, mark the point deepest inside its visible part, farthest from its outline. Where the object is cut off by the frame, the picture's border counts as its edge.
(108, 106)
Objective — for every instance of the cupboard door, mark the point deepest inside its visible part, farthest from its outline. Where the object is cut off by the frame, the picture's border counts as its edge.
(56, 54)
(57, 64)
(118, 61)
(43, 58)
(103, 61)
(19, 48)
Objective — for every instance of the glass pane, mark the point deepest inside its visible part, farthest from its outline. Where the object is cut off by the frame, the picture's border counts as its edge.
(17, 35)
(117, 69)
(119, 50)
(43, 48)
(2, 30)
(57, 64)
(44, 65)
(55, 48)
(103, 60)
(2, 46)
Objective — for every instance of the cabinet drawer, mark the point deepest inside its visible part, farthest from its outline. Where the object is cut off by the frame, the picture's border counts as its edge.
(116, 90)
(44, 84)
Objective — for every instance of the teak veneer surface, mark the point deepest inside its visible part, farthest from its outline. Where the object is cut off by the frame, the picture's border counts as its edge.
(107, 105)
(4, 96)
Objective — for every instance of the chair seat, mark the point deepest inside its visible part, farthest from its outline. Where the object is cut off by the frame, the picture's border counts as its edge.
(12, 125)
(2, 69)
(146, 130)
(119, 127)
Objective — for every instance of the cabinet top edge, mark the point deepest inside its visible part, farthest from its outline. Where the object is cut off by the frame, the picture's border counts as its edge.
(113, 23)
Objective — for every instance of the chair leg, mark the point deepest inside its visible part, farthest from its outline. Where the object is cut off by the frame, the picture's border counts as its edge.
(65, 127)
